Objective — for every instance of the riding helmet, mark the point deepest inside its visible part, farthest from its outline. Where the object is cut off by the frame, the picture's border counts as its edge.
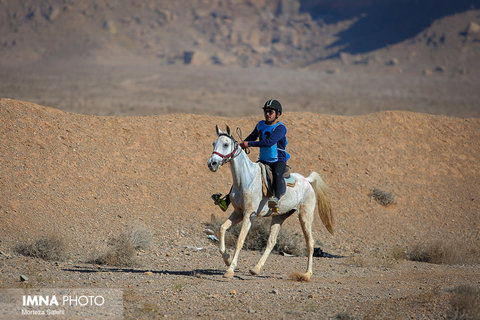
(274, 105)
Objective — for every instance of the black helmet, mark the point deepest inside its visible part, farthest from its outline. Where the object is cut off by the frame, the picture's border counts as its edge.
(274, 105)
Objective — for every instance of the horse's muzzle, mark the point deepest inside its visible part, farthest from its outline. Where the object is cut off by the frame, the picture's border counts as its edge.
(213, 165)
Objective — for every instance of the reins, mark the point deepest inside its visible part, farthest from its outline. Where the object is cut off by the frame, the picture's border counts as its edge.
(239, 134)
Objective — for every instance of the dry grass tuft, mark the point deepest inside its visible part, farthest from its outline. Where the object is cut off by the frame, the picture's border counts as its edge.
(122, 255)
(382, 197)
(47, 248)
(465, 303)
(287, 241)
(299, 277)
(124, 250)
(441, 252)
(139, 237)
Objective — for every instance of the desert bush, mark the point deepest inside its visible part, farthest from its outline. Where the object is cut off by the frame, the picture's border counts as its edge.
(123, 252)
(139, 237)
(442, 252)
(287, 240)
(46, 248)
(382, 197)
(291, 242)
(464, 303)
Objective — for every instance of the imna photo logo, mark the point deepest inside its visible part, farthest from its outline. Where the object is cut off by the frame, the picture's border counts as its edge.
(63, 303)
(49, 301)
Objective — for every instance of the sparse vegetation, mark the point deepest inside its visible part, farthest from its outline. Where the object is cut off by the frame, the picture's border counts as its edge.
(441, 252)
(465, 303)
(139, 237)
(382, 197)
(46, 248)
(124, 250)
(287, 241)
(122, 254)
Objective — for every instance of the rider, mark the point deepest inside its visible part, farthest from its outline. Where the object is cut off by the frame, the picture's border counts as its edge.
(272, 143)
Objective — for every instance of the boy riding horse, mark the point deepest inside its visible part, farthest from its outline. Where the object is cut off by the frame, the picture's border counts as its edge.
(272, 141)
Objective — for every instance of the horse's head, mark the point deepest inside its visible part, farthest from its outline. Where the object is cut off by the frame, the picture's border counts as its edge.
(224, 149)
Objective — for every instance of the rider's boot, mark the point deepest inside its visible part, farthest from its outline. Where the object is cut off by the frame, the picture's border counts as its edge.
(273, 204)
(223, 203)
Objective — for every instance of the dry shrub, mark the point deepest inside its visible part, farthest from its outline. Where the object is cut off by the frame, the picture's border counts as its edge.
(291, 242)
(122, 254)
(382, 197)
(441, 252)
(124, 250)
(465, 303)
(46, 248)
(139, 237)
(257, 236)
(287, 240)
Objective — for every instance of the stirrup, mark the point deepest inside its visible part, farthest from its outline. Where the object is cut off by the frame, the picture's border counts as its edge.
(273, 204)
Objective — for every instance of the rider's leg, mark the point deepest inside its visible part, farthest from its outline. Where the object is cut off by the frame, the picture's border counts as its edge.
(279, 186)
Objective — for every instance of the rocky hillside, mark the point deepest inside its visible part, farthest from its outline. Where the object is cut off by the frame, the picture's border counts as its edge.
(212, 32)
(192, 32)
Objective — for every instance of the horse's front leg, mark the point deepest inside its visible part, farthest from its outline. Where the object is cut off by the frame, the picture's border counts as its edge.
(246, 224)
(234, 219)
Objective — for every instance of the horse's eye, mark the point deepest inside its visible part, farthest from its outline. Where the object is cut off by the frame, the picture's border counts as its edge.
(225, 145)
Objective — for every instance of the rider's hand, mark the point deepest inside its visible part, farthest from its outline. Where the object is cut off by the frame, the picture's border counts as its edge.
(244, 144)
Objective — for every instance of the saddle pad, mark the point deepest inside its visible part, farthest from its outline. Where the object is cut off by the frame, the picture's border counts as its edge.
(290, 181)
(267, 178)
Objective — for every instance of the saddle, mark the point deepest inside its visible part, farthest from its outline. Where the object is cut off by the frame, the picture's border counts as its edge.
(267, 178)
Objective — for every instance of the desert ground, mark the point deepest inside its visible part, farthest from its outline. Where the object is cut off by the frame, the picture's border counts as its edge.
(103, 157)
(86, 179)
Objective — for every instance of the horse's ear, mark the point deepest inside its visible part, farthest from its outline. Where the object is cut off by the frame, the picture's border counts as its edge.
(218, 130)
(229, 131)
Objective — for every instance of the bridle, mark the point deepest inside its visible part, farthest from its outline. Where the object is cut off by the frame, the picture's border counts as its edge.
(232, 155)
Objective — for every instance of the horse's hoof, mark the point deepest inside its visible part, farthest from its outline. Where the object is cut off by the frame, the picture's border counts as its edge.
(306, 277)
(227, 259)
(254, 272)
(228, 274)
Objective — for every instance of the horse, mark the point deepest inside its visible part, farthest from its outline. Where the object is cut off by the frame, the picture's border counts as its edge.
(249, 202)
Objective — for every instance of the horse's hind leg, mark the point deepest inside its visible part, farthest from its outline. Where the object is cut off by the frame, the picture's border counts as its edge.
(306, 215)
(234, 219)
(277, 222)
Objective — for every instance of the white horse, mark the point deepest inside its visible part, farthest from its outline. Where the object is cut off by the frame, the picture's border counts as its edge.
(248, 202)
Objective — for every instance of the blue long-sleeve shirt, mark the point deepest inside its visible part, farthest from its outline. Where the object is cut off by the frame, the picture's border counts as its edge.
(272, 141)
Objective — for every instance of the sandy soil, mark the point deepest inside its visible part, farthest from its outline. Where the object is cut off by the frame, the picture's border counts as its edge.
(144, 88)
(88, 178)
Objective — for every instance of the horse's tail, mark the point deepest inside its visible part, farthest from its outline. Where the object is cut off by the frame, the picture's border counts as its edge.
(323, 202)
